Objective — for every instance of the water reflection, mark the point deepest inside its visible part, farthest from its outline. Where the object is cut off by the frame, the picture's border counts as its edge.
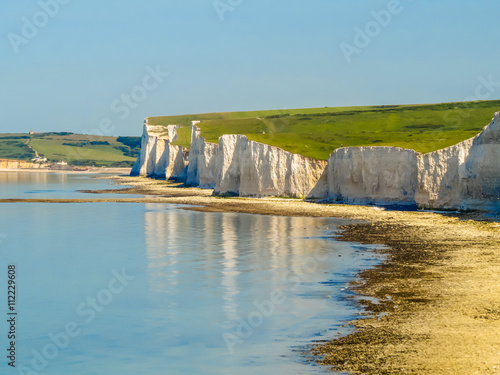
(207, 272)
(39, 178)
(229, 266)
(40, 185)
(199, 278)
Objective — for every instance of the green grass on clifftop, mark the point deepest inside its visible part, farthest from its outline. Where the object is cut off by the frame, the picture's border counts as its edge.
(317, 132)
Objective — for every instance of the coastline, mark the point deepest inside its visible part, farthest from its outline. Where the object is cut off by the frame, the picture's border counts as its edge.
(439, 294)
(438, 291)
(62, 171)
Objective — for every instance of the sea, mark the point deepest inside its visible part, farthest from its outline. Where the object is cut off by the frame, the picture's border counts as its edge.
(134, 288)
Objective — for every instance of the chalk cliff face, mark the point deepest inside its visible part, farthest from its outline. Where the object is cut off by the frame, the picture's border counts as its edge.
(238, 166)
(201, 169)
(158, 157)
(466, 175)
(248, 168)
(372, 175)
(439, 176)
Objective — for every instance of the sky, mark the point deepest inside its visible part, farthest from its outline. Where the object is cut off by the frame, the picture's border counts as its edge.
(101, 67)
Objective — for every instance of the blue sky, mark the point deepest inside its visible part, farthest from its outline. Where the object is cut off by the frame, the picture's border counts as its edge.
(69, 65)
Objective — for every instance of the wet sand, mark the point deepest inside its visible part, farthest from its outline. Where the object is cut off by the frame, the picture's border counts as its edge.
(438, 291)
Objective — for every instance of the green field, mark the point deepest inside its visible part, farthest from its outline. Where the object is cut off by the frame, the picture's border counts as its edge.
(14, 146)
(313, 132)
(75, 149)
(317, 132)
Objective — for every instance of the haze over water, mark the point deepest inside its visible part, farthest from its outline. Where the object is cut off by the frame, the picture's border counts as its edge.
(205, 293)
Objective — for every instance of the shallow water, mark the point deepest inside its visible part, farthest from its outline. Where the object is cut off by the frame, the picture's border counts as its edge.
(39, 185)
(204, 293)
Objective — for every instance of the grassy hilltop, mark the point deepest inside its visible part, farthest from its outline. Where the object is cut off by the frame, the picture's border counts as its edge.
(76, 149)
(317, 132)
(313, 132)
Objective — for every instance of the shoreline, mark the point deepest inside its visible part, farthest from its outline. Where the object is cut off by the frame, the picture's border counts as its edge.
(438, 292)
(63, 171)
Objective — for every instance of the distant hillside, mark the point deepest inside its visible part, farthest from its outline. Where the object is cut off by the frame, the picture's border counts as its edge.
(317, 132)
(75, 149)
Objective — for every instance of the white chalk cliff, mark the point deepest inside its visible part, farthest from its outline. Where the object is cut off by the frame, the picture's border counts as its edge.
(158, 157)
(201, 168)
(248, 168)
(466, 175)
(372, 175)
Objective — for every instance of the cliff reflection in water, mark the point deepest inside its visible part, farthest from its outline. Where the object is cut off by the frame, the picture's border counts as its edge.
(200, 281)
(210, 270)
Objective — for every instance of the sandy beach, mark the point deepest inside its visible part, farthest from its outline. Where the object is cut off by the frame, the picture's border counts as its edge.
(438, 293)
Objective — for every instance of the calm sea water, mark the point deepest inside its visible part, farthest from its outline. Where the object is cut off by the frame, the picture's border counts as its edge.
(52, 185)
(114, 288)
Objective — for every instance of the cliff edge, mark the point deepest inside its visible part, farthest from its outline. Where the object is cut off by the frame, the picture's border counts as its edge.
(158, 157)
(463, 176)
